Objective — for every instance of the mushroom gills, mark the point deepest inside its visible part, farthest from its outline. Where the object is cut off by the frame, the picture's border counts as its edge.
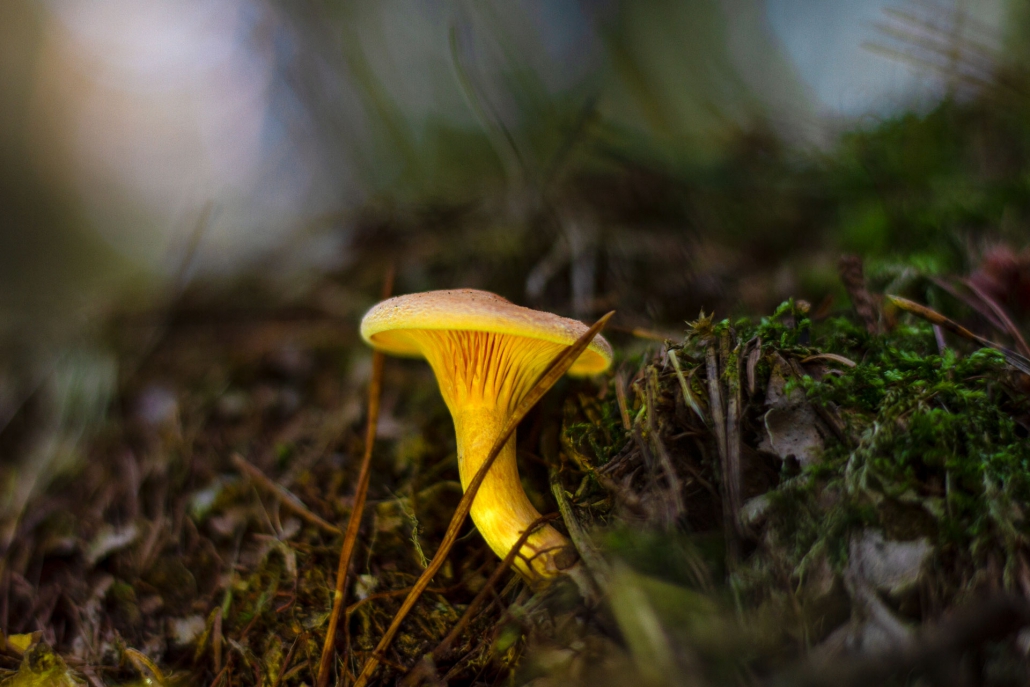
(482, 377)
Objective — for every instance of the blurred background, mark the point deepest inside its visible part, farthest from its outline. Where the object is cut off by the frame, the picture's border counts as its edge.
(207, 161)
(149, 145)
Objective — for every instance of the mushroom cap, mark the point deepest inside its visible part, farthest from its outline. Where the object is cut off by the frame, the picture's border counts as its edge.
(384, 326)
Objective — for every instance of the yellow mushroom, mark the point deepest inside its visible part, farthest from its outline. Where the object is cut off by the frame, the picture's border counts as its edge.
(486, 353)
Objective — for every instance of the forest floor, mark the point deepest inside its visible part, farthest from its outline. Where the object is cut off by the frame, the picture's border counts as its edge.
(829, 492)
(815, 497)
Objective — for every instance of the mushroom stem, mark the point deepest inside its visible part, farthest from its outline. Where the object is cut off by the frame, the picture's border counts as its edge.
(501, 509)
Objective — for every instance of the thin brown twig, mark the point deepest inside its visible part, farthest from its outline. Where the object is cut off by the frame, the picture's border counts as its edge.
(489, 638)
(142, 663)
(360, 492)
(291, 502)
(558, 367)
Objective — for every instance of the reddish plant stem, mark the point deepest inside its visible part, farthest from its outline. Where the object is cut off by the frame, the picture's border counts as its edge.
(354, 523)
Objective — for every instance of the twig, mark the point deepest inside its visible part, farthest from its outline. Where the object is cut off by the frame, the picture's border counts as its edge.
(360, 492)
(291, 502)
(554, 371)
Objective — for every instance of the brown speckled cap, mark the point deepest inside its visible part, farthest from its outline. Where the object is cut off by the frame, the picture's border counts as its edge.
(476, 311)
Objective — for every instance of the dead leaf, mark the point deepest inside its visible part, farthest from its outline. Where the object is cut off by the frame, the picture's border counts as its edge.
(792, 426)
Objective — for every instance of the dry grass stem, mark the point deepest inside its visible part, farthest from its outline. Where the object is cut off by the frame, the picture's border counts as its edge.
(972, 303)
(1014, 359)
(360, 492)
(1007, 324)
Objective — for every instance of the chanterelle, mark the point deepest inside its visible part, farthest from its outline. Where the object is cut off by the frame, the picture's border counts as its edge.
(486, 353)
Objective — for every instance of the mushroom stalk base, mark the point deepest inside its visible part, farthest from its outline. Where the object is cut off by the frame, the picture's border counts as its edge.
(501, 510)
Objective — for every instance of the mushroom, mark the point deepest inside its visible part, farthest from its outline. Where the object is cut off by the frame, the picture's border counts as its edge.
(486, 354)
